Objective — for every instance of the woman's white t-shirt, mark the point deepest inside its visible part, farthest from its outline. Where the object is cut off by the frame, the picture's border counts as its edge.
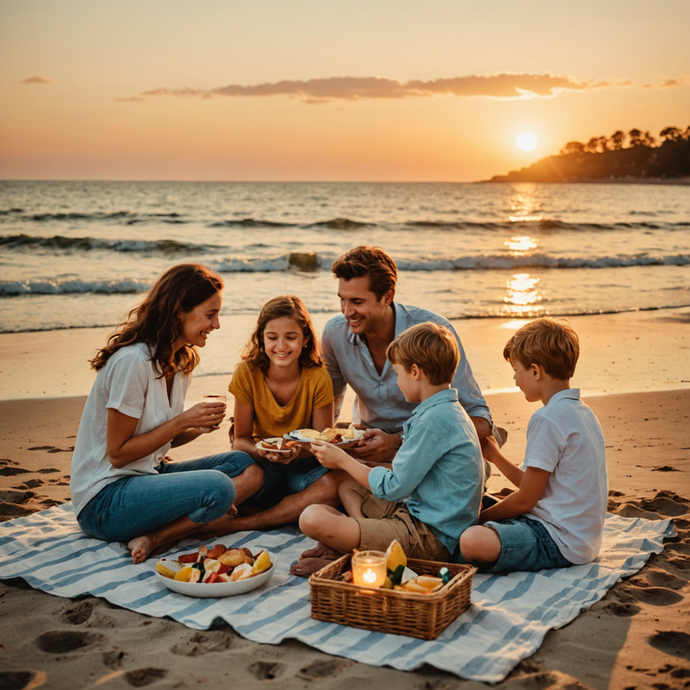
(131, 384)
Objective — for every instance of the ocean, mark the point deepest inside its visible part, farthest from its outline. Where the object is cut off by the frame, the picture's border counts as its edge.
(80, 254)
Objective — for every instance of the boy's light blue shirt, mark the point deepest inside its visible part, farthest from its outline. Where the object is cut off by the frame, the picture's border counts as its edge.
(438, 470)
(379, 402)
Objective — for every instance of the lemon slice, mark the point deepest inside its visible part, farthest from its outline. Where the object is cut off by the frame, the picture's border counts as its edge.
(263, 562)
(395, 556)
(165, 572)
(428, 581)
(184, 574)
(412, 586)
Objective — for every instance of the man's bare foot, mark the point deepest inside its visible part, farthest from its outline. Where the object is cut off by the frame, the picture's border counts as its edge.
(141, 547)
(306, 566)
(321, 551)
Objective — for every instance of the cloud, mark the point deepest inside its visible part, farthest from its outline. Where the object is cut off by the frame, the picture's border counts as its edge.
(505, 85)
(36, 80)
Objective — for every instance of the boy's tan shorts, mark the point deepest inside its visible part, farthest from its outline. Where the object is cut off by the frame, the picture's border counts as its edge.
(386, 521)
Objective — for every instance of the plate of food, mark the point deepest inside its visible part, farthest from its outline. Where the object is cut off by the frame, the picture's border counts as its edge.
(216, 572)
(277, 444)
(339, 437)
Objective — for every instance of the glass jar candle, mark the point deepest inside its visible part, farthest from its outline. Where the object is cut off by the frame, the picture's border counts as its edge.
(369, 569)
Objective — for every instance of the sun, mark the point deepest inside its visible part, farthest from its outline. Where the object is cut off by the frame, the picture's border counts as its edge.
(527, 141)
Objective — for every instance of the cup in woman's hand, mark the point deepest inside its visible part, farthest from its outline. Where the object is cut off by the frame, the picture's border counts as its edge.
(215, 398)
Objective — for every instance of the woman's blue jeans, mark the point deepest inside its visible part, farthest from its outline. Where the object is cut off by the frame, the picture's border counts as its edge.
(201, 489)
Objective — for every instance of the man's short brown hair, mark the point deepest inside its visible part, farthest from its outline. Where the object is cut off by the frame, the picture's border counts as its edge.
(431, 347)
(551, 344)
(368, 261)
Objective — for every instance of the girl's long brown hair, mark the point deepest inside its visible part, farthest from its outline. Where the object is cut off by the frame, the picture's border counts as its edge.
(156, 321)
(254, 352)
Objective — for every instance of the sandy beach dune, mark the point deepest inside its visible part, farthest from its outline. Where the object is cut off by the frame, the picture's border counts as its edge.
(636, 637)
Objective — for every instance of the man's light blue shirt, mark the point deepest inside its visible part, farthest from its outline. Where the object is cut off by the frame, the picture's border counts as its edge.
(380, 403)
(438, 470)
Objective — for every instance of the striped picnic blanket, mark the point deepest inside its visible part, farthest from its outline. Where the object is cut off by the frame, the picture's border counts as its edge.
(508, 619)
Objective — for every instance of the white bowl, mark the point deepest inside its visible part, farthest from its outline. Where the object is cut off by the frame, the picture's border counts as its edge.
(205, 590)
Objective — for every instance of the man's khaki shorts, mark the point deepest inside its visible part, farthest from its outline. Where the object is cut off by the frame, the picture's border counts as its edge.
(386, 521)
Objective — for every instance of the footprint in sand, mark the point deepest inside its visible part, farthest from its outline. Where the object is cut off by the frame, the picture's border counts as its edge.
(203, 643)
(10, 468)
(145, 676)
(63, 481)
(53, 449)
(672, 642)
(264, 670)
(653, 577)
(324, 669)
(18, 680)
(664, 506)
(30, 484)
(64, 641)
(679, 548)
(79, 613)
(10, 510)
(655, 596)
(680, 563)
(14, 496)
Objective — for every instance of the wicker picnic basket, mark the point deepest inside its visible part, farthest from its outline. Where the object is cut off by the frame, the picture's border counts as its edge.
(390, 611)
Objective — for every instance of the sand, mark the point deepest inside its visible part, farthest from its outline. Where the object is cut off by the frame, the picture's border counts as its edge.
(636, 637)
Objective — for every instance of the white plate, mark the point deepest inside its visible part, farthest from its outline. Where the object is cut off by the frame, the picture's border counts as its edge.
(305, 441)
(218, 589)
(273, 439)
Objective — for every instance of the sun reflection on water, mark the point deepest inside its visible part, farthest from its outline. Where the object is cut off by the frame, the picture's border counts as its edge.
(521, 245)
(523, 294)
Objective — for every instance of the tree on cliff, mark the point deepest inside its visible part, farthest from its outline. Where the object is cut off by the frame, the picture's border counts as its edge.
(601, 158)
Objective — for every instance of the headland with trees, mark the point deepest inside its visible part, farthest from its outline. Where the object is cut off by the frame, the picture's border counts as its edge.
(634, 156)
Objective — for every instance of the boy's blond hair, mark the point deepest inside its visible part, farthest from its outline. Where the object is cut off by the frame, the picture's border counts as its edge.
(551, 344)
(431, 347)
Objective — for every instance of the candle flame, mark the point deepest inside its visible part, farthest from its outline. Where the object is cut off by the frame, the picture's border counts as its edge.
(369, 576)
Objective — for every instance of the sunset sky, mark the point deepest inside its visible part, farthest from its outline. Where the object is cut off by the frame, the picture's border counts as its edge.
(320, 90)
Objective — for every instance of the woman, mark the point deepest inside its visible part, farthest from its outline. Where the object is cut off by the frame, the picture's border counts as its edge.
(121, 488)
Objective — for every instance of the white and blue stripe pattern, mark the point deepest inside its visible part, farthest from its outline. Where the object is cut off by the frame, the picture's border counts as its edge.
(507, 622)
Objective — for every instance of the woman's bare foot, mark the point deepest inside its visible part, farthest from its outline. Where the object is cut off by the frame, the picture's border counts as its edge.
(141, 547)
(306, 566)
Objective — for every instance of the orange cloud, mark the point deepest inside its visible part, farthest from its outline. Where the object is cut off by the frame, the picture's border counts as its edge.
(36, 80)
(504, 85)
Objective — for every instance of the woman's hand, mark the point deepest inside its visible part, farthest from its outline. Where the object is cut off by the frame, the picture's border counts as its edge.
(204, 416)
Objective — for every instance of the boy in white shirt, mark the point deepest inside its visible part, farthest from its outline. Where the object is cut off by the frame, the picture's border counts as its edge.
(556, 516)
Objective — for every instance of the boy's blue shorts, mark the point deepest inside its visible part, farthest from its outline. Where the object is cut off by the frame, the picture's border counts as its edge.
(525, 545)
(282, 480)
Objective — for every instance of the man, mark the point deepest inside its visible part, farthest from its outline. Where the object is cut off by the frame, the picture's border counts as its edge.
(354, 348)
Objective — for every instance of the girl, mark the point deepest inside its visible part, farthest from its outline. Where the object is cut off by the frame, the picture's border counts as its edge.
(282, 385)
(122, 489)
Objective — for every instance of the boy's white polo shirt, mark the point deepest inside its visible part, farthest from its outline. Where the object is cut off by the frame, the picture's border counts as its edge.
(565, 439)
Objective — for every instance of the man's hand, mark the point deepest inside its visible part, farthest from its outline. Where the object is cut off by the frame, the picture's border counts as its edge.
(376, 446)
(483, 429)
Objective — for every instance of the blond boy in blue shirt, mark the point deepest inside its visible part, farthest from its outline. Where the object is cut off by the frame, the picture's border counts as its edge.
(433, 490)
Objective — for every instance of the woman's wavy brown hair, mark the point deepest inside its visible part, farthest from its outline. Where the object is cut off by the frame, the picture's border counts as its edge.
(254, 352)
(156, 321)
